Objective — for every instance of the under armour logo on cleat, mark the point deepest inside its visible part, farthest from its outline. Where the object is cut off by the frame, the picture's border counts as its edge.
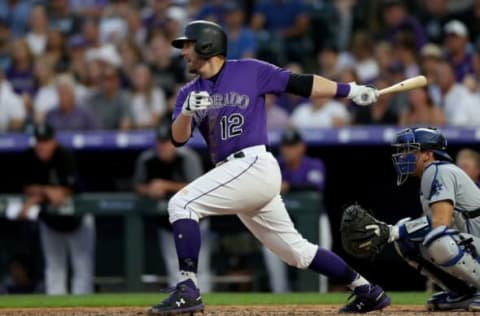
(180, 302)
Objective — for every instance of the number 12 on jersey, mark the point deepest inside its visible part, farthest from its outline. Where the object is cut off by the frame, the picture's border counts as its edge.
(231, 125)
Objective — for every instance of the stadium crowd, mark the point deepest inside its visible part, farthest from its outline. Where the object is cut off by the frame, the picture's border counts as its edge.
(108, 64)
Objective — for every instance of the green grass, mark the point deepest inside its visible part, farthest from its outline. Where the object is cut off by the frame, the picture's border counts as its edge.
(146, 299)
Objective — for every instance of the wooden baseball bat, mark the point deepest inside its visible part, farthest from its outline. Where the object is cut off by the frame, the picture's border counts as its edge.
(407, 84)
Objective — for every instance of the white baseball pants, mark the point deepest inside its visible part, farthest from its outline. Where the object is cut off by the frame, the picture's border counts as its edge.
(80, 245)
(250, 188)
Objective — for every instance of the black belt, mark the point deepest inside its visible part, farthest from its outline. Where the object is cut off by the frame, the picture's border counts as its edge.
(238, 154)
(472, 214)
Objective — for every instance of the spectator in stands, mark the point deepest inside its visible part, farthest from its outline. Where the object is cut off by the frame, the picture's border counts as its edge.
(286, 22)
(404, 48)
(329, 62)
(397, 19)
(4, 45)
(160, 172)
(277, 118)
(320, 112)
(20, 72)
(366, 67)
(88, 8)
(77, 46)
(156, 17)
(241, 40)
(168, 70)
(137, 32)
(383, 55)
(20, 278)
(430, 55)
(434, 16)
(456, 101)
(457, 49)
(110, 105)
(469, 161)
(16, 13)
(67, 115)
(381, 112)
(299, 173)
(37, 36)
(471, 17)
(56, 50)
(148, 102)
(46, 96)
(61, 18)
(12, 112)
(421, 110)
(91, 33)
(49, 177)
(213, 10)
(131, 55)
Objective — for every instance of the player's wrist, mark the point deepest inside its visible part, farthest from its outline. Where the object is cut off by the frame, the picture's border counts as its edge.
(343, 90)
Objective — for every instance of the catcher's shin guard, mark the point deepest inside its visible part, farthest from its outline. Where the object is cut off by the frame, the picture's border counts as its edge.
(410, 252)
(454, 253)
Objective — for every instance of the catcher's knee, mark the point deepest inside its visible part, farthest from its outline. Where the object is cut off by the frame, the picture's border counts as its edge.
(180, 208)
(452, 253)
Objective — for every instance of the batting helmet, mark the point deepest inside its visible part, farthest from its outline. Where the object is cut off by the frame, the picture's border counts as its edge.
(210, 39)
(408, 141)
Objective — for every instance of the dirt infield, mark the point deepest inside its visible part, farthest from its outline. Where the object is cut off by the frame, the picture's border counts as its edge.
(274, 310)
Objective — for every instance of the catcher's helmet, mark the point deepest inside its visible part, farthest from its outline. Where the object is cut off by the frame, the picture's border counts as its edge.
(210, 39)
(408, 141)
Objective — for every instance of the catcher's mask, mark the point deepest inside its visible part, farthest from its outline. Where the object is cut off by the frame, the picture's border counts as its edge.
(409, 141)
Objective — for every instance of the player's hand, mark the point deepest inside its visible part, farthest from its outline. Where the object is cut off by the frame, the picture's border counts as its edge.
(196, 100)
(362, 95)
(157, 189)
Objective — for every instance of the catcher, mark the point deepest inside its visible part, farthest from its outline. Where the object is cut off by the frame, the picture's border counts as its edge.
(444, 244)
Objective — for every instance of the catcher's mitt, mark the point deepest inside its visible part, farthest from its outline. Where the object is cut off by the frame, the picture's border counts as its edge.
(363, 236)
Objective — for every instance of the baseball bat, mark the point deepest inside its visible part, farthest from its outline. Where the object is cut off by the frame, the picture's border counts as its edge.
(407, 84)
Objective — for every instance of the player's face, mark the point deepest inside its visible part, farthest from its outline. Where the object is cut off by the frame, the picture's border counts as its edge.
(292, 152)
(45, 149)
(166, 150)
(194, 62)
(423, 159)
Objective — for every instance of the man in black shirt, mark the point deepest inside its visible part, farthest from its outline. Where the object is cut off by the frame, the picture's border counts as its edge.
(49, 177)
(159, 173)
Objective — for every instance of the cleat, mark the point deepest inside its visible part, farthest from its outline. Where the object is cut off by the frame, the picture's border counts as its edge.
(185, 299)
(449, 300)
(475, 303)
(367, 298)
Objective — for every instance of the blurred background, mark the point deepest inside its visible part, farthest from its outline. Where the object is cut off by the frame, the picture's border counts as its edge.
(98, 79)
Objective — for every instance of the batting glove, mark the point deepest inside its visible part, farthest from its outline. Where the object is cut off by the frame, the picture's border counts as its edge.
(196, 101)
(362, 95)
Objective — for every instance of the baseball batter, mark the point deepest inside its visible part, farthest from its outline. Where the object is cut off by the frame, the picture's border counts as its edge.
(444, 244)
(226, 103)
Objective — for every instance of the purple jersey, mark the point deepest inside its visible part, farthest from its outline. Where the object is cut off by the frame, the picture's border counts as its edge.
(309, 175)
(237, 118)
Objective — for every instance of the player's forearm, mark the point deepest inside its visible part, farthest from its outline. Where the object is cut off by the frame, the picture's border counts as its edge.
(323, 87)
(182, 128)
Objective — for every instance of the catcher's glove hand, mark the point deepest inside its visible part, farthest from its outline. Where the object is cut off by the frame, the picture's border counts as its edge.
(363, 236)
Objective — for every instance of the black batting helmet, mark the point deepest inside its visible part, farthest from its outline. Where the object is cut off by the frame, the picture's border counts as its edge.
(210, 39)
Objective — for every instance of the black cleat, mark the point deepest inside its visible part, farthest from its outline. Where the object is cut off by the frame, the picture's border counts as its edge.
(367, 298)
(185, 299)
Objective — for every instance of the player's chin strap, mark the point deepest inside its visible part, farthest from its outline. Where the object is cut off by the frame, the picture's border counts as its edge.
(454, 254)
